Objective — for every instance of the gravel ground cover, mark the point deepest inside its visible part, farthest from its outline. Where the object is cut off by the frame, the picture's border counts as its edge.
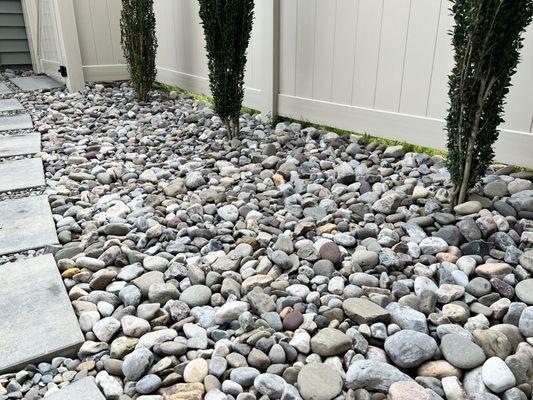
(294, 263)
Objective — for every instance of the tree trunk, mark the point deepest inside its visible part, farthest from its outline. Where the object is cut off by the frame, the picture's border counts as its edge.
(228, 126)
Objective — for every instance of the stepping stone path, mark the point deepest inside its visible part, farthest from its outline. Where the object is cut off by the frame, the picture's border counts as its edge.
(25, 224)
(4, 89)
(18, 145)
(10, 105)
(84, 389)
(36, 82)
(38, 321)
(14, 122)
(21, 174)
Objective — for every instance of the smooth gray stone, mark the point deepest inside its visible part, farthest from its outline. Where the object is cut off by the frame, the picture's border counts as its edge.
(38, 322)
(26, 224)
(10, 105)
(36, 82)
(14, 122)
(84, 389)
(21, 174)
(19, 145)
(4, 89)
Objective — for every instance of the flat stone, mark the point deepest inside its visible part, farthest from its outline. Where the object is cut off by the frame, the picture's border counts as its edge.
(363, 311)
(36, 82)
(494, 270)
(26, 224)
(319, 381)
(13, 122)
(4, 89)
(406, 390)
(21, 174)
(10, 105)
(84, 389)
(38, 322)
(469, 207)
(330, 342)
(183, 391)
(19, 145)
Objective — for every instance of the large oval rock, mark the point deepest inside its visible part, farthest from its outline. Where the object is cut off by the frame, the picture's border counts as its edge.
(196, 295)
(497, 375)
(409, 349)
(461, 352)
(319, 381)
(373, 375)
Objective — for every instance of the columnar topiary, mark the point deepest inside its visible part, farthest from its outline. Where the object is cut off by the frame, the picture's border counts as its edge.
(227, 28)
(137, 26)
(487, 38)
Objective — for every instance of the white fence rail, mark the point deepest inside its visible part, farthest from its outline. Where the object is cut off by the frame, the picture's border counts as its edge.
(372, 66)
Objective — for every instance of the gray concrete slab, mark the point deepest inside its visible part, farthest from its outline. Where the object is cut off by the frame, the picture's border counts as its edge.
(84, 389)
(4, 89)
(18, 145)
(10, 105)
(25, 223)
(36, 82)
(38, 322)
(21, 174)
(14, 122)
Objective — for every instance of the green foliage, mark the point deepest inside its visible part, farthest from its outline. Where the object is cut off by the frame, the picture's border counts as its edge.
(487, 39)
(227, 27)
(137, 26)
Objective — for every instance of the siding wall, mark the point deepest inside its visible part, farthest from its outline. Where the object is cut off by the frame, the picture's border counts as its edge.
(14, 48)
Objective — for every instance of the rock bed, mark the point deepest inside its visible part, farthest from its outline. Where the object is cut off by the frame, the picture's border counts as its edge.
(293, 264)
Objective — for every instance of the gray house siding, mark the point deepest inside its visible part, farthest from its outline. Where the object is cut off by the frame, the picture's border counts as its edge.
(14, 48)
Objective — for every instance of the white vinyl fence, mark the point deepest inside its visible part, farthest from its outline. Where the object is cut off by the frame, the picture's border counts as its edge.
(371, 66)
(98, 23)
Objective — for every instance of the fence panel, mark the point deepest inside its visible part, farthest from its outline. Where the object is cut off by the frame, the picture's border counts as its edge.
(98, 24)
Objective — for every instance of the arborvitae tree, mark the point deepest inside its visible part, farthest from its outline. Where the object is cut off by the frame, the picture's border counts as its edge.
(137, 26)
(487, 38)
(227, 28)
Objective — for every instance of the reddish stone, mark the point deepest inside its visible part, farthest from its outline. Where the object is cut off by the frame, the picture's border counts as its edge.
(293, 320)
(330, 251)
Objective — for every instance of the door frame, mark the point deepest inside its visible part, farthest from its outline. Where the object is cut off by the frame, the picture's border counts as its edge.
(69, 47)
